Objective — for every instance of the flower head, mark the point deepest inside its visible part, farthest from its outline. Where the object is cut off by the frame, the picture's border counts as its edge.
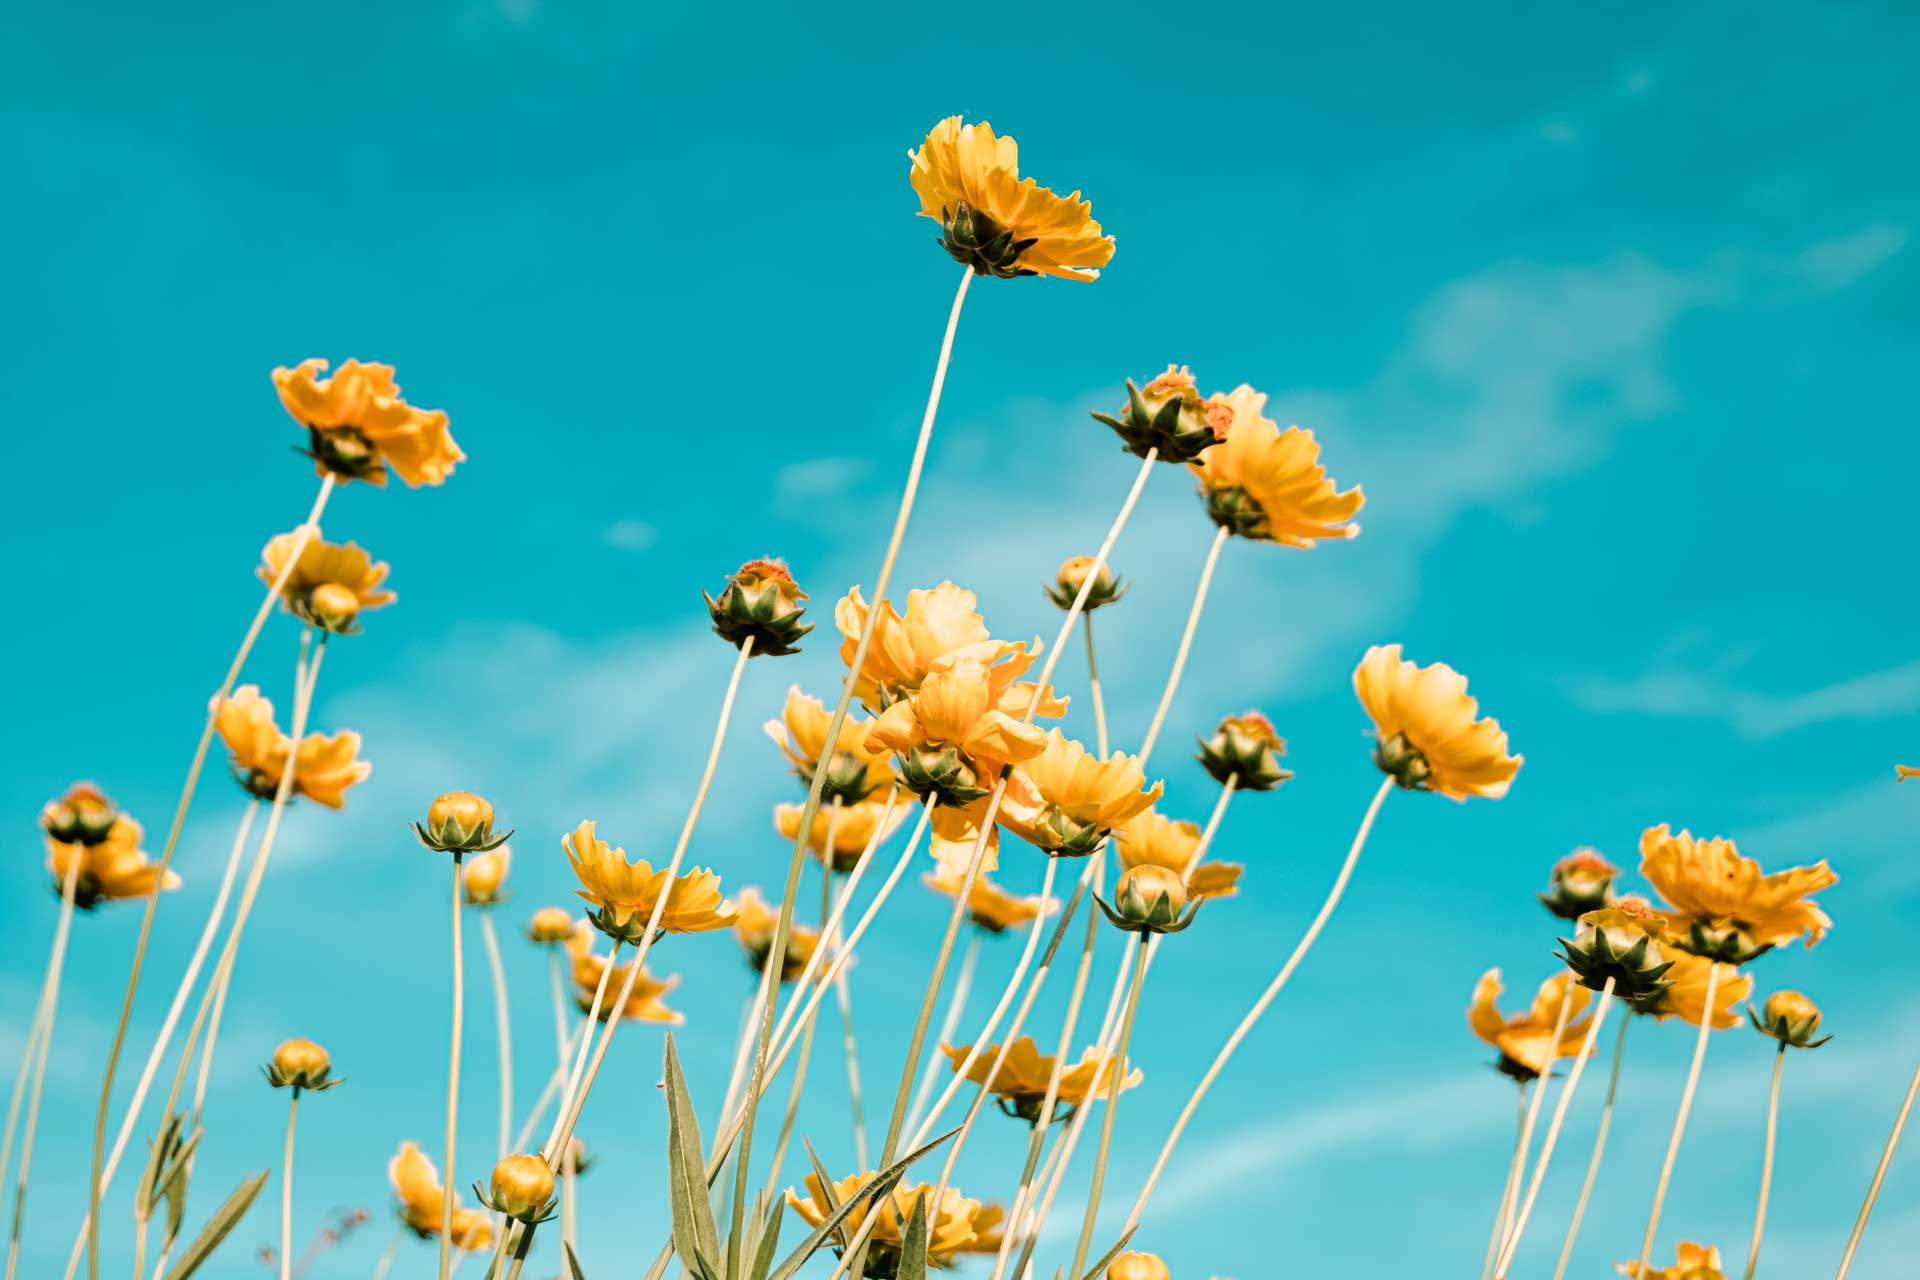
(108, 870)
(643, 1002)
(329, 585)
(858, 825)
(624, 894)
(1684, 994)
(1621, 944)
(992, 219)
(952, 736)
(1168, 419)
(1267, 484)
(300, 1064)
(550, 925)
(755, 929)
(940, 626)
(1723, 906)
(1072, 577)
(1245, 750)
(1149, 899)
(1020, 1085)
(853, 771)
(323, 767)
(417, 1187)
(1174, 844)
(1695, 1262)
(1137, 1266)
(84, 815)
(956, 1225)
(522, 1189)
(1429, 734)
(954, 830)
(1582, 882)
(1790, 1018)
(483, 875)
(1067, 801)
(459, 822)
(762, 603)
(358, 425)
(1525, 1040)
(990, 908)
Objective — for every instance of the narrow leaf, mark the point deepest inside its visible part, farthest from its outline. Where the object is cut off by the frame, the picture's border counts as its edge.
(224, 1220)
(769, 1241)
(694, 1231)
(573, 1264)
(881, 1184)
(913, 1245)
(1111, 1254)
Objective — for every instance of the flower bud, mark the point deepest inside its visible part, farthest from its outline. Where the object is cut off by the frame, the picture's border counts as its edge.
(1065, 587)
(1581, 883)
(1149, 899)
(82, 816)
(1245, 750)
(459, 822)
(1137, 1266)
(1168, 414)
(761, 602)
(941, 771)
(333, 606)
(1790, 1018)
(1400, 760)
(300, 1064)
(1621, 943)
(522, 1188)
(482, 875)
(550, 925)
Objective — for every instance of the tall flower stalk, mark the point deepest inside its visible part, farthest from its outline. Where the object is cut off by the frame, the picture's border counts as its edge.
(1679, 1122)
(453, 1077)
(1599, 1150)
(45, 1010)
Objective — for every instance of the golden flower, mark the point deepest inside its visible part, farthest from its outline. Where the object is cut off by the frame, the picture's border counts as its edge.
(1525, 1040)
(358, 425)
(330, 585)
(1070, 800)
(1695, 1262)
(1072, 576)
(853, 771)
(995, 221)
(951, 737)
(941, 625)
(522, 1188)
(953, 831)
(1267, 484)
(1172, 843)
(84, 815)
(1430, 738)
(1901, 772)
(956, 1225)
(1137, 1266)
(1582, 882)
(482, 875)
(300, 1064)
(624, 893)
(989, 907)
(643, 1002)
(756, 926)
(1790, 1018)
(112, 869)
(1685, 996)
(417, 1186)
(459, 822)
(550, 925)
(323, 767)
(1149, 899)
(853, 831)
(1021, 1083)
(1723, 903)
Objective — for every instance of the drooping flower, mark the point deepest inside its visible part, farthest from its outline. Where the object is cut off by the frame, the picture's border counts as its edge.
(990, 908)
(330, 585)
(1685, 994)
(957, 1224)
(852, 831)
(1020, 1086)
(421, 1195)
(1066, 800)
(853, 771)
(1267, 484)
(950, 737)
(358, 425)
(1582, 882)
(623, 894)
(110, 869)
(1430, 738)
(1150, 839)
(761, 602)
(323, 768)
(1525, 1040)
(1168, 419)
(755, 928)
(995, 221)
(1722, 905)
(1695, 1262)
(643, 1002)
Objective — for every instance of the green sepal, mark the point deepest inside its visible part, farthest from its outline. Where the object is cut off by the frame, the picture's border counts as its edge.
(1635, 981)
(941, 772)
(1400, 760)
(456, 837)
(974, 240)
(223, 1221)
(1160, 923)
(573, 1264)
(1243, 759)
(757, 612)
(1796, 1032)
(545, 1213)
(1235, 510)
(1102, 594)
(345, 452)
(1725, 941)
(1176, 429)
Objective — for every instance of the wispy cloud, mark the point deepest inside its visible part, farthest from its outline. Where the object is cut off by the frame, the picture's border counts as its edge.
(1753, 714)
(1845, 260)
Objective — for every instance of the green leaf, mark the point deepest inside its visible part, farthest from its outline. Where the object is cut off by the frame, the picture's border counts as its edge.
(826, 1179)
(573, 1264)
(913, 1244)
(694, 1232)
(769, 1241)
(1101, 1265)
(173, 1184)
(159, 1155)
(224, 1220)
(881, 1184)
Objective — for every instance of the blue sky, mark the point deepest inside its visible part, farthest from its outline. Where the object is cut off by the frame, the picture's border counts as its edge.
(1608, 311)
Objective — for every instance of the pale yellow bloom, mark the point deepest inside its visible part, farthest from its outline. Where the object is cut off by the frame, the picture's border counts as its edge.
(953, 830)
(416, 1184)
(940, 626)
(643, 1002)
(482, 875)
(1069, 799)
(852, 831)
(1022, 1078)
(956, 1225)
(801, 735)
(966, 165)
(1695, 1262)
(625, 892)
(1151, 839)
(1710, 882)
(1430, 736)
(360, 425)
(758, 921)
(1686, 997)
(1293, 501)
(955, 707)
(111, 869)
(324, 564)
(323, 767)
(989, 907)
(1525, 1040)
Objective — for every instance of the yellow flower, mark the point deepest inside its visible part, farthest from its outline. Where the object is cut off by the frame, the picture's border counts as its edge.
(1582, 882)
(853, 831)
(951, 738)
(1789, 1017)
(1151, 839)
(853, 773)
(1429, 736)
(1901, 772)
(112, 869)
(643, 1002)
(522, 1188)
(300, 1064)
(762, 603)
(550, 924)
(1137, 1266)
(84, 814)
(994, 220)
(330, 585)
(990, 907)
(1021, 1082)
(323, 767)
(624, 893)
(482, 874)
(1686, 995)
(1069, 799)
(941, 626)
(954, 1226)
(1732, 911)
(359, 425)
(1525, 1040)
(1695, 1262)
(1072, 576)
(417, 1186)
(953, 830)
(755, 929)
(1267, 484)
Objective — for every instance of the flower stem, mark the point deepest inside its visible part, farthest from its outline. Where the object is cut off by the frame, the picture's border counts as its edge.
(1093, 691)
(1552, 1138)
(949, 1023)
(27, 1054)
(1599, 1149)
(1879, 1176)
(562, 1044)
(1533, 1107)
(554, 1083)
(504, 1025)
(1766, 1161)
(1116, 1073)
(1503, 1211)
(1186, 643)
(844, 998)
(453, 1080)
(286, 1192)
(385, 1264)
(1680, 1119)
(305, 535)
(49, 1006)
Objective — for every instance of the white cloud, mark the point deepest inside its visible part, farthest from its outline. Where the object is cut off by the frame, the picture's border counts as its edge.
(631, 535)
(1844, 260)
(1677, 694)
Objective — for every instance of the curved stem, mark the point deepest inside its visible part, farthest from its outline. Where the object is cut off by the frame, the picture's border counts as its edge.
(1503, 1212)
(305, 534)
(1116, 1072)
(949, 1023)
(1679, 1120)
(844, 998)
(1599, 1149)
(1766, 1162)
(50, 1004)
(1540, 1092)
(453, 1081)
(35, 1028)
(504, 1026)
(1186, 643)
(286, 1193)
(1879, 1176)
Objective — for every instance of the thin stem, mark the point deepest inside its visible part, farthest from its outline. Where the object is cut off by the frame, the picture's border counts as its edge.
(1540, 1092)
(1552, 1137)
(1879, 1176)
(1680, 1119)
(1766, 1161)
(1186, 643)
(286, 1192)
(561, 1040)
(385, 1264)
(1093, 690)
(504, 1025)
(554, 1082)
(949, 1023)
(1503, 1211)
(845, 1000)
(1116, 1073)
(1599, 1149)
(305, 534)
(50, 1003)
(453, 1080)
(580, 1054)
(35, 1028)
